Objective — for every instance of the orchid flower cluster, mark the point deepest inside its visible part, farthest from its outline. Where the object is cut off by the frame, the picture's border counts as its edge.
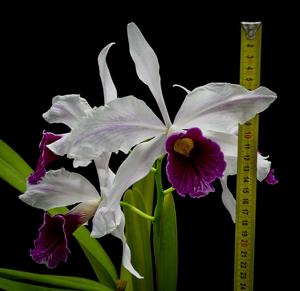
(200, 147)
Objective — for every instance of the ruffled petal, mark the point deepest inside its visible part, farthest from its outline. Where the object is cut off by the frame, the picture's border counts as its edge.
(126, 258)
(194, 162)
(67, 109)
(147, 66)
(135, 167)
(109, 89)
(222, 106)
(228, 199)
(59, 188)
(52, 245)
(120, 125)
(46, 156)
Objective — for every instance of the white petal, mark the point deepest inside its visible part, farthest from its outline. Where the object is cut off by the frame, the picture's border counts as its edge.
(60, 147)
(263, 167)
(105, 175)
(135, 167)
(109, 89)
(121, 124)
(228, 199)
(222, 106)
(147, 66)
(59, 188)
(106, 219)
(67, 109)
(126, 258)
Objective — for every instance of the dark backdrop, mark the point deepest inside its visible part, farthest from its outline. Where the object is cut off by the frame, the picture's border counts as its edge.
(50, 51)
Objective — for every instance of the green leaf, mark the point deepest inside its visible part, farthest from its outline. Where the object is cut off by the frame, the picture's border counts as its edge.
(69, 282)
(146, 187)
(138, 239)
(10, 175)
(165, 246)
(14, 160)
(10, 285)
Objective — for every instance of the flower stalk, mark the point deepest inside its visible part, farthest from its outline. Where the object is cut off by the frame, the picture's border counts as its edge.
(137, 211)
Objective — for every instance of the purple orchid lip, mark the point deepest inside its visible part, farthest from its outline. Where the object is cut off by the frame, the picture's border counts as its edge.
(46, 157)
(51, 246)
(271, 179)
(193, 163)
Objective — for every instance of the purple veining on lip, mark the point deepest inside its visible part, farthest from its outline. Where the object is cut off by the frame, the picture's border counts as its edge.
(271, 179)
(51, 246)
(46, 157)
(193, 174)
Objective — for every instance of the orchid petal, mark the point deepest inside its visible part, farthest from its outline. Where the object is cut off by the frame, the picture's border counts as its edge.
(135, 167)
(109, 89)
(67, 109)
(119, 125)
(126, 258)
(105, 175)
(263, 167)
(106, 219)
(59, 188)
(147, 66)
(228, 199)
(221, 106)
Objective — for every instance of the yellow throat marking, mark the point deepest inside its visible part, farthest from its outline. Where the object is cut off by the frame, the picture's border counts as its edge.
(184, 146)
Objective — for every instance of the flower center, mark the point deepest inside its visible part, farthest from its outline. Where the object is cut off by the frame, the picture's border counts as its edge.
(184, 146)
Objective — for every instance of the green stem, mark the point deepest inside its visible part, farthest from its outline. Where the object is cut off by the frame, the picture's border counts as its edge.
(137, 211)
(169, 190)
(159, 189)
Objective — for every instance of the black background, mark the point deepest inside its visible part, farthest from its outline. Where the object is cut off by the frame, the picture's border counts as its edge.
(50, 50)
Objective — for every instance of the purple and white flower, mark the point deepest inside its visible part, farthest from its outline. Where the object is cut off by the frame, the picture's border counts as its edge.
(58, 188)
(216, 109)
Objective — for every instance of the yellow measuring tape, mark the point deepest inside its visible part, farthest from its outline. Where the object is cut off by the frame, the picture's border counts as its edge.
(247, 162)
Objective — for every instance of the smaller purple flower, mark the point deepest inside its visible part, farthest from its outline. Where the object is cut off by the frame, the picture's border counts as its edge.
(51, 246)
(271, 179)
(193, 163)
(46, 157)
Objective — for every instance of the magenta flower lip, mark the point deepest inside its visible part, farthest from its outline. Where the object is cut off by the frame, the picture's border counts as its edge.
(52, 245)
(193, 163)
(46, 157)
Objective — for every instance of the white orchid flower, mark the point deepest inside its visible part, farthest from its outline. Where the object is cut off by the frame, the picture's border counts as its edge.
(47, 190)
(195, 159)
